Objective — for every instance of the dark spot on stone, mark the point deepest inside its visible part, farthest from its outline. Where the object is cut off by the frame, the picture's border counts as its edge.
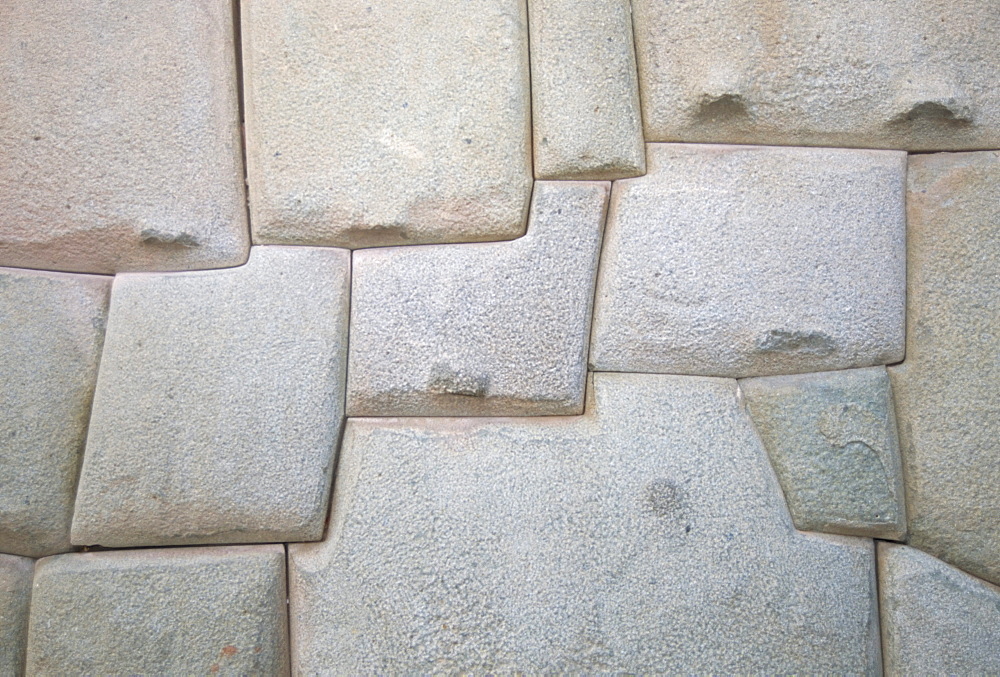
(37, 138)
(664, 497)
(545, 140)
(808, 342)
(229, 650)
(687, 529)
(721, 108)
(469, 141)
(277, 153)
(182, 239)
(448, 381)
(935, 111)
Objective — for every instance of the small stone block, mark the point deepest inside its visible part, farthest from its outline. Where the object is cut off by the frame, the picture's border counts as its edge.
(15, 597)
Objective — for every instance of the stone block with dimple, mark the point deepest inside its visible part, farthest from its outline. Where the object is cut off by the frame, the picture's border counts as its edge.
(219, 404)
(753, 261)
(397, 122)
(15, 597)
(120, 135)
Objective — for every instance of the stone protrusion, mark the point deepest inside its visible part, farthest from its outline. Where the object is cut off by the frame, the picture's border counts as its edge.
(15, 597)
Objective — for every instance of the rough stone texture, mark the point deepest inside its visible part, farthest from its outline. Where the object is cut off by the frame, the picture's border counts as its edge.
(647, 536)
(584, 92)
(15, 596)
(480, 329)
(219, 404)
(832, 440)
(399, 122)
(753, 261)
(947, 401)
(51, 331)
(913, 75)
(120, 136)
(936, 620)
(183, 611)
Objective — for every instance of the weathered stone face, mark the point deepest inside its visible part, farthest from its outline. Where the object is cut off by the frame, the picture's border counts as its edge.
(120, 136)
(15, 596)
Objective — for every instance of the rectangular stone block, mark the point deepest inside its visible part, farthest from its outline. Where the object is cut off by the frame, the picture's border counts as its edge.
(15, 597)
(398, 122)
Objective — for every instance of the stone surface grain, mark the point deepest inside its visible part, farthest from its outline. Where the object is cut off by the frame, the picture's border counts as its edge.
(219, 404)
(647, 536)
(399, 122)
(947, 401)
(15, 598)
(120, 135)
(183, 611)
(51, 332)
(753, 261)
(481, 329)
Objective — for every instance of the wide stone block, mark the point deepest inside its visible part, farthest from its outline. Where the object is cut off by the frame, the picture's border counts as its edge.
(488, 329)
(915, 76)
(753, 261)
(219, 404)
(647, 536)
(584, 91)
(398, 122)
(946, 393)
(173, 611)
(51, 332)
(832, 441)
(120, 135)
(15, 597)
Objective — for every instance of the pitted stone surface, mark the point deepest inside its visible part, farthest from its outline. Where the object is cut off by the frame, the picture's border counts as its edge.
(173, 611)
(15, 597)
(219, 404)
(917, 76)
(585, 96)
(51, 331)
(482, 329)
(399, 122)
(647, 536)
(946, 393)
(120, 135)
(832, 440)
(753, 261)
(936, 620)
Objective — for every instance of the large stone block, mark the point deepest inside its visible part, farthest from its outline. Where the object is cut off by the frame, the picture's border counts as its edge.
(647, 536)
(51, 332)
(398, 122)
(584, 92)
(172, 611)
(753, 261)
(15, 597)
(909, 75)
(120, 135)
(936, 620)
(947, 401)
(219, 404)
(484, 329)
(832, 440)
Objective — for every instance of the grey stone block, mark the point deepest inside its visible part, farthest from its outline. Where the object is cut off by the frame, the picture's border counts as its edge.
(172, 611)
(398, 122)
(219, 404)
(753, 261)
(946, 394)
(489, 329)
(51, 332)
(15, 597)
(584, 92)
(647, 536)
(916, 76)
(832, 440)
(936, 620)
(120, 135)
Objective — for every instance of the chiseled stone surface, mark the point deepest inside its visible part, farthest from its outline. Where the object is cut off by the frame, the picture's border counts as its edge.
(398, 122)
(832, 440)
(487, 329)
(219, 404)
(15, 596)
(917, 76)
(51, 331)
(120, 135)
(584, 91)
(947, 400)
(173, 611)
(646, 536)
(753, 261)
(936, 620)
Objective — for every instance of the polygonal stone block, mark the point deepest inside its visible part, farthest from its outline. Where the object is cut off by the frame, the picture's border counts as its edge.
(219, 404)
(753, 261)
(120, 134)
(398, 122)
(489, 329)
(51, 332)
(15, 596)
